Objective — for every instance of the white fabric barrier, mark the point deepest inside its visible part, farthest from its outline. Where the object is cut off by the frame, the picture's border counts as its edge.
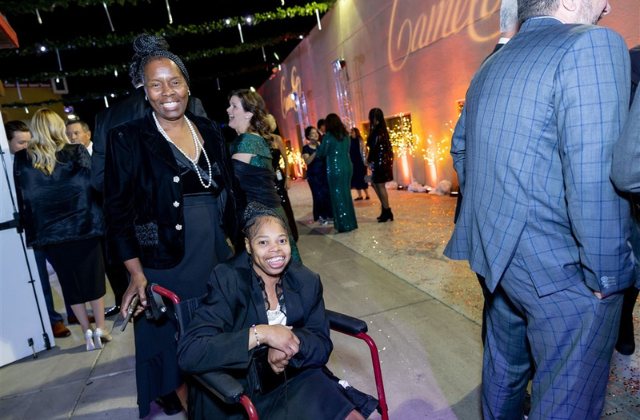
(19, 320)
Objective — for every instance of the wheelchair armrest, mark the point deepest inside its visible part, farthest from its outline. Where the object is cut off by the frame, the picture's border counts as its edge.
(222, 385)
(345, 323)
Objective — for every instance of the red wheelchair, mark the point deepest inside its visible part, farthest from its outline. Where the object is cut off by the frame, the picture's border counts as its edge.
(225, 387)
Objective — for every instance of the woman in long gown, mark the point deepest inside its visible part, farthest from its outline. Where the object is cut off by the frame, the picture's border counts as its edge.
(335, 147)
(169, 209)
(317, 177)
(251, 153)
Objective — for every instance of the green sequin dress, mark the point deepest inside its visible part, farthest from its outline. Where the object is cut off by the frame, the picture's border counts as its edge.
(339, 171)
(257, 178)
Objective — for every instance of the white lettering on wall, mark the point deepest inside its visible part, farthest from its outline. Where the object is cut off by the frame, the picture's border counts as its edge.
(445, 18)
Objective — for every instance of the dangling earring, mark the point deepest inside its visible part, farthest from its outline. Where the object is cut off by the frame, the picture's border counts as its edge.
(189, 91)
(145, 98)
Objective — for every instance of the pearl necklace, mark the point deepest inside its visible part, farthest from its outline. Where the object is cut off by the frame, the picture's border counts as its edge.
(196, 144)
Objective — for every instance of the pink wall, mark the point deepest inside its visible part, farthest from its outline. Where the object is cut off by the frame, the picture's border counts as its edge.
(404, 56)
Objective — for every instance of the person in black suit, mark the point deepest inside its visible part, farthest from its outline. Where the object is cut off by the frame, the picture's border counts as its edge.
(264, 321)
(626, 344)
(129, 109)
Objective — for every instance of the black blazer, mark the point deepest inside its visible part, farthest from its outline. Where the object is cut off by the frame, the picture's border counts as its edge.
(60, 207)
(143, 192)
(217, 336)
(129, 109)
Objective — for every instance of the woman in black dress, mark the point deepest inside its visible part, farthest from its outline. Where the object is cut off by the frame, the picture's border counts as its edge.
(61, 217)
(357, 154)
(380, 159)
(317, 177)
(281, 168)
(169, 209)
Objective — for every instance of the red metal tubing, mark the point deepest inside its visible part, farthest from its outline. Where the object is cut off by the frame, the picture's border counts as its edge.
(166, 293)
(377, 372)
(249, 407)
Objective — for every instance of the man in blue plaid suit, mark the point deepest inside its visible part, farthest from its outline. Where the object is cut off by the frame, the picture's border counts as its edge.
(540, 220)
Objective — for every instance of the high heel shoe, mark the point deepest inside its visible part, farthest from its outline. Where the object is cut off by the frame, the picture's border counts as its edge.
(386, 215)
(100, 337)
(88, 337)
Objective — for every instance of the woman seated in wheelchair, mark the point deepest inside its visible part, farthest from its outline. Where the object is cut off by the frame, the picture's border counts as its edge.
(263, 321)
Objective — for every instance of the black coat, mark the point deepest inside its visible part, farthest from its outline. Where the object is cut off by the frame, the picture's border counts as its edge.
(218, 335)
(60, 207)
(143, 199)
(129, 109)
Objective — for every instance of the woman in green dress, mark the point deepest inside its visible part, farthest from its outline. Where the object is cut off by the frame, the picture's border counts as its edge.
(251, 154)
(335, 147)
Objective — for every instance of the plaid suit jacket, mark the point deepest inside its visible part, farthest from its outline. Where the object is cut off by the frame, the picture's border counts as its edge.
(532, 150)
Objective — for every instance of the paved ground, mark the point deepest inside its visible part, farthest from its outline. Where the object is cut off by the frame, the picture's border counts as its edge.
(422, 309)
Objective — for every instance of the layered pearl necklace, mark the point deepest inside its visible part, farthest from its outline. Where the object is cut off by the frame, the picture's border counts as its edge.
(198, 147)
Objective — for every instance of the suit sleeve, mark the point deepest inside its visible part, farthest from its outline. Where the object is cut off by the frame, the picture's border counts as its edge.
(315, 343)
(210, 342)
(625, 167)
(458, 148)
(119, 195)
(592, 97)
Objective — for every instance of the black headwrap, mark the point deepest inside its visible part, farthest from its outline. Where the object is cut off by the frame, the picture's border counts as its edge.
(147, 47)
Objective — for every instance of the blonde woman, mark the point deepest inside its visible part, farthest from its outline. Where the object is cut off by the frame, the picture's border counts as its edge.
(61, 218)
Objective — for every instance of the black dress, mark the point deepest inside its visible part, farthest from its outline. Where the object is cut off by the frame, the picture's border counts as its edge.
(380, 157)
(359, 168)
(157, 371)
(317, 179)
(61, 217)
(281, 180)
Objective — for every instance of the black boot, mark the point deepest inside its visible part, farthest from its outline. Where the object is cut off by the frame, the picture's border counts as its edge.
(381, 213)
(386, 215)
(626, 344)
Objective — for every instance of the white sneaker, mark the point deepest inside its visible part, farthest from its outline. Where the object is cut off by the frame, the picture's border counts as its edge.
(88, 337)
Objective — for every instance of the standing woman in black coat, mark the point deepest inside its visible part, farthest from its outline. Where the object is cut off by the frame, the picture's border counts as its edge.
(380, 160)
(60, 217)
(169, 209)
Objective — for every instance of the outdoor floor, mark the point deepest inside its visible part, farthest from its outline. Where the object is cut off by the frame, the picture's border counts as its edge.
(423, 310)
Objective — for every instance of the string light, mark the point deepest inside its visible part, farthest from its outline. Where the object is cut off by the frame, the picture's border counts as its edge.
(169, 12)
(106, 10)
(240, 30)
(169, 31)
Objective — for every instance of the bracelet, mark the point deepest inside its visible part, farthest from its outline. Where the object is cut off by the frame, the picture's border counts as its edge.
(255, 334)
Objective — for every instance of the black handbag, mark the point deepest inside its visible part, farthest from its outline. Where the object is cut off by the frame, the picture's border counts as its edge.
(262, 379)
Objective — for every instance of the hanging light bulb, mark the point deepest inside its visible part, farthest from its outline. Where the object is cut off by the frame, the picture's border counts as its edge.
(39, 20)
(115, 73)
(26, 110)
